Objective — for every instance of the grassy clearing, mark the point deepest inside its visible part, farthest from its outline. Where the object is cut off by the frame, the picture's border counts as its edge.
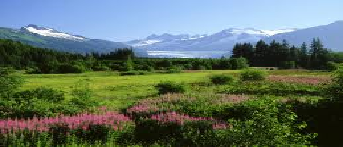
(112, 89)
(120, 91)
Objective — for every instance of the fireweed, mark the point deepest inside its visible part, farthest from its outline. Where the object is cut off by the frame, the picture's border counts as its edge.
(109, 118)
(182, 118)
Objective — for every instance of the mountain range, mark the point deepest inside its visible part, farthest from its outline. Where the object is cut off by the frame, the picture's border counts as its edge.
(214, 45)
(182, 46)
(50, 38)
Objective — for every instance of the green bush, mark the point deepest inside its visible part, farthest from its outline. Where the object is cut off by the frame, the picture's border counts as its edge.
(335, 89)
(82, 96)
(221, 79)
(238, 63)
(95, 133)
(40, 102)
(134, 72)
(150, 69)
(69, 68)
(273, 88)
(331, 66)
(287, 65)
(41, 93)
(174, 69)
(33, 70)
(9, 82)
(170, 87)
(265, 123)
(253, 75)
(197, 133)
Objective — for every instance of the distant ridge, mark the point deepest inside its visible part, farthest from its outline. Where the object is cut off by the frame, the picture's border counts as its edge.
(50, 38)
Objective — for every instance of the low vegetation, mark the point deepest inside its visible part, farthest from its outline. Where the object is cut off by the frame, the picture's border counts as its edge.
(170, 87)
(168, 102)
(222, 79)
(253, 75)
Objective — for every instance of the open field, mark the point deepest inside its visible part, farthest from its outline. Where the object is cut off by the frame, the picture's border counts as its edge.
(232, 101)
(120, 91)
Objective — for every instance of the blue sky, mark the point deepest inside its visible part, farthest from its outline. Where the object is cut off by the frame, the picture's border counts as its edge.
(122, 20)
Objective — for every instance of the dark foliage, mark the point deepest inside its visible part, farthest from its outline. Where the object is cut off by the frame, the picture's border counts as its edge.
(221, 79)
(253, 75)
(284, 56)
(170, 87)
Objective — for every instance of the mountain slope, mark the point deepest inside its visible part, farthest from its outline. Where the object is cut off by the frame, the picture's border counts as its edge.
(50, 38)
(214, 45)
(331, 35)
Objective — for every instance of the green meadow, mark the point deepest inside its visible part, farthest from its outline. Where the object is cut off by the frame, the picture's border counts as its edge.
(116, 91)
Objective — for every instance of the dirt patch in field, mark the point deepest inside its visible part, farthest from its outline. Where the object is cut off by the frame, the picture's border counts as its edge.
(301, 80)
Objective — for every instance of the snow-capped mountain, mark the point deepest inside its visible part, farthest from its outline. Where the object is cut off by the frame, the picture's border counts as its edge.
(209, 44)
(43, 31)
(331, 35)
(45, 37)
(152, 39)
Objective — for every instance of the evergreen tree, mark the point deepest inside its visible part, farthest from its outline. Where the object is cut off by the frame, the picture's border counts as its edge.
(319, 56)
(129, 64)
(273, 57)
(294, 55)
(304, 55)
(237, 51)
(260, 53)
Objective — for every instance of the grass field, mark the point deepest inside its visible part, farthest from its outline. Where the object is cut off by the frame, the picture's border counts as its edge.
(120, 91)
(235, 105)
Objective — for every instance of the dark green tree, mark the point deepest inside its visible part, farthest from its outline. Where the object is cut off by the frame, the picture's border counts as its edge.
(304, 56)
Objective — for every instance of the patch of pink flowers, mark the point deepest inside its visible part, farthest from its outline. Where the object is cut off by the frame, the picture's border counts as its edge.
(182, 118)
(108, 118)
(301, 80)
(156, 104)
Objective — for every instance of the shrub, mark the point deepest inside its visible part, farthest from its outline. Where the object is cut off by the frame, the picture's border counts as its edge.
(170, 87)
(265, 128)
(221, 79)
(93, 134)
(174, 69)
(199, 67)
(82, 96)
(287, 65)
(101, 67)
(133, 72)
(253, 75)
(39, 102)
(59, 134)
(239, 63)
(273, 88)
(69, 68)
(331, 66)
(32, 70)
(9, 82)
(188, 66)
(42, 93)
(150, 69)
(335, 89)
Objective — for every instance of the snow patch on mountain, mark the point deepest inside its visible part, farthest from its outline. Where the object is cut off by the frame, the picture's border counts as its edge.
(51, 33)
(274, 32)
(184, 41)
(252, 31)
(145, 42)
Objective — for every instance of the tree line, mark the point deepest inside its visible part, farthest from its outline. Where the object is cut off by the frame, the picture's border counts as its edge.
(283, 55)
(43, 60)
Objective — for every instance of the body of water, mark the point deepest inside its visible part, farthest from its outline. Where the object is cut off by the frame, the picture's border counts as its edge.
(188, 54)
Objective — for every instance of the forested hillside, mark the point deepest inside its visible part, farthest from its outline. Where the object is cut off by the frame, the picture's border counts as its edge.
(276, 54)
